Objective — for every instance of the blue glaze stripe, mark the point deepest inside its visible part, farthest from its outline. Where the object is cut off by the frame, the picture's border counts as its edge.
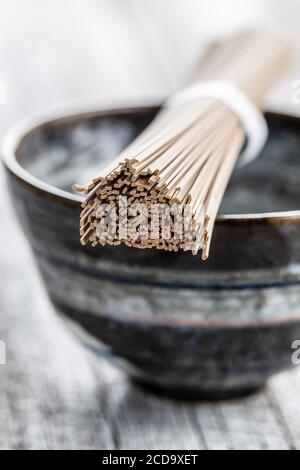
(96, 274)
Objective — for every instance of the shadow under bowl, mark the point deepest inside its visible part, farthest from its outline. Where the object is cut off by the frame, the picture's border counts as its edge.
(186, 327)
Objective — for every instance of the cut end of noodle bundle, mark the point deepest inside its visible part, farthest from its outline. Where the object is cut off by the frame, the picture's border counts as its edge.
(164, 191)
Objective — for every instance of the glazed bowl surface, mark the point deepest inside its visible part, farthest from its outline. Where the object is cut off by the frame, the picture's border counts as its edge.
(183, 326)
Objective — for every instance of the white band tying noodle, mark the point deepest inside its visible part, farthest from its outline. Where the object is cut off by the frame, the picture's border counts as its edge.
(252, 119)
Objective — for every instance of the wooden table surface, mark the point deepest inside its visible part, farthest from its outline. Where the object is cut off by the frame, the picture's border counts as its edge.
(53, 393)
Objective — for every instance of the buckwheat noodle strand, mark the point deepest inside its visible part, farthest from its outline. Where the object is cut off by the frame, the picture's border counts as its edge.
(187, 154)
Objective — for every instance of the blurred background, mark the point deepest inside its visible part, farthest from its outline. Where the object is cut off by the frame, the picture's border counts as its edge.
(57, 52)
(92, 53)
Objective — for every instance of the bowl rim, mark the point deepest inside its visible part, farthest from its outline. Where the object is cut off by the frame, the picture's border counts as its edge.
(22, 130)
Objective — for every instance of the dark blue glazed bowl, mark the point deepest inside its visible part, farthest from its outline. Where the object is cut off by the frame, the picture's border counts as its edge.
(183, 326)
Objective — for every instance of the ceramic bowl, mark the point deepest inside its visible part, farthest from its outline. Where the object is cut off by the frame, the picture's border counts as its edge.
(185, 327)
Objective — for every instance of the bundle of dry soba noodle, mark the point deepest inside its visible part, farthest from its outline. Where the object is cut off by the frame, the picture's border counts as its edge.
(164, 191)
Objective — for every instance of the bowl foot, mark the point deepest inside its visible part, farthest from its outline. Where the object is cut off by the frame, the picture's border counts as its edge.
(191, 394)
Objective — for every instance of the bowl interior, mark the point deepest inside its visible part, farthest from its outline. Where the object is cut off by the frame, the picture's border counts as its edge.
(74, 150)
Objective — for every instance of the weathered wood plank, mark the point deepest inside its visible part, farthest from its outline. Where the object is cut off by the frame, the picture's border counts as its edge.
(250, 424)
(145, 421)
